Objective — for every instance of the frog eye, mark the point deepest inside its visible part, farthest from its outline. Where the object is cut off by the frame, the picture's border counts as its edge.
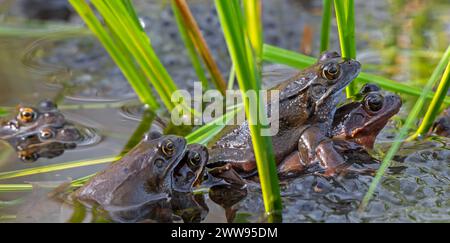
(46, 134)
(367, 88)
(374, 102)
(168, 148)
(331, 71)
(27, 157)
(26, 115)
(194, 158)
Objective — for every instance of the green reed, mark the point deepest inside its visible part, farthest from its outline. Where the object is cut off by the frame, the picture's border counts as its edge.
(345, 18)
(410, 121)
(326, 26)
(297, 60)
(242, 48)
(129, 46)
(435, 105)
(123, 60)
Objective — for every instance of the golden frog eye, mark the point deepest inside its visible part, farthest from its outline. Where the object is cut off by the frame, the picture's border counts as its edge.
(331, 71)
(168, 148)
(28, 157)
(26, 115)
(194, 158)
(46, 133)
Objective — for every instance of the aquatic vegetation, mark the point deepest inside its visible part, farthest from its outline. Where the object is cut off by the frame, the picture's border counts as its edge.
(326, 25)
(242, 54)
(119, 30)
(410, 120)
(435, 106)
(345, 18)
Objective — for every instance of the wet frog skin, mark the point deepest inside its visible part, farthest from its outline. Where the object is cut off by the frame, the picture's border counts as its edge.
(190, 171)
(139, 177)
(442, 126)
(307, 105)
(39, 132)
(154, 181)
(354, 131)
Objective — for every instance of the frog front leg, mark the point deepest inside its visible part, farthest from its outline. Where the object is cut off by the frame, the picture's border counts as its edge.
(315, 146)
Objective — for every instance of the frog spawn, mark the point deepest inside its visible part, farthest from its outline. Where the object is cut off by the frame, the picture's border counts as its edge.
(43, 132)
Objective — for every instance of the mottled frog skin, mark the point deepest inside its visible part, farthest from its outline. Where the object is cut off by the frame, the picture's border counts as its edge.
(154, 181)
(308, 102)
(442, 125)
(354, 131)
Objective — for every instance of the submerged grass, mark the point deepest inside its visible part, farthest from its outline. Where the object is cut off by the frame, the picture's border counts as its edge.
(403, 133)
(242, 52)
(56, 167)
(28, 32)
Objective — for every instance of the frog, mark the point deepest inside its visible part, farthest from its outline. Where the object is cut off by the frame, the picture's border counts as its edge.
(441, 126)
(153, 181)
(40, 131)
(307, 103)
(355, 127)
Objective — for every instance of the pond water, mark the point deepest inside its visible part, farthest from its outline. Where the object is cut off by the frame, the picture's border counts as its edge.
(402, 40)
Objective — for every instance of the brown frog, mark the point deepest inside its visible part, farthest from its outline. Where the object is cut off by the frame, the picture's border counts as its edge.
(39, 132)
(442, 125)
(141, 185)
(308, 102)
(354, 130)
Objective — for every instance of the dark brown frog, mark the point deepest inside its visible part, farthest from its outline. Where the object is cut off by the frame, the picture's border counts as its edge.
(308, 102)
(355, 128)
(154, 181)
(442, 125)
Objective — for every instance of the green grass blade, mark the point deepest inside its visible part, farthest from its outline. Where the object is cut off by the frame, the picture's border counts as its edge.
(15, 187)
(205, 133)
(436, 103)
(231, 78)
(350, 13)
(115, 13)
(190, 46)
(56, 167)
(339, 7)
(4, 204)
(143, 91)
(345, 11)
(297, 60)
(3, 112)
(231, 18)
(33, 32)
(326, 26)
(410, 121)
